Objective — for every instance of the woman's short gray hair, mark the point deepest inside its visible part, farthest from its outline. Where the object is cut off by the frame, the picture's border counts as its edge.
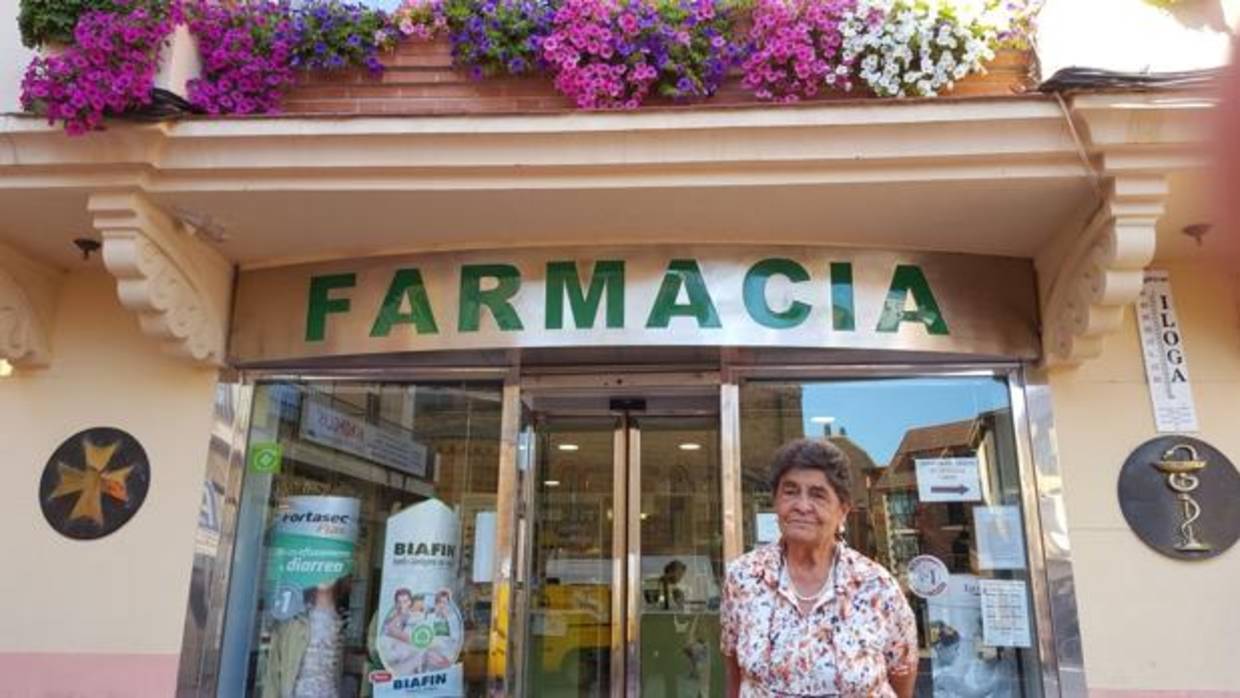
(813, 454)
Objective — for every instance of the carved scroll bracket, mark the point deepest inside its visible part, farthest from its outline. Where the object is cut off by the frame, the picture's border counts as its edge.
(177, 284)
(28, 294)
(1089, 276)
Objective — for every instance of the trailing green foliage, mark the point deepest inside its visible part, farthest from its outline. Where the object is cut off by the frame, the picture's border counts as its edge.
(52, 21)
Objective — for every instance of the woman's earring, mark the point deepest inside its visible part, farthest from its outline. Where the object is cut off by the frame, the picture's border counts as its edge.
(839, 533)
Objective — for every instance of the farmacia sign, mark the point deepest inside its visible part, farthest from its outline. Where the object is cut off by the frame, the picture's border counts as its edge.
(714, 295)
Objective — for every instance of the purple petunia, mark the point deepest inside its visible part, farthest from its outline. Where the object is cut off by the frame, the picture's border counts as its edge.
(110, 68)
(794, 46)
(246, 54)
(611, 54)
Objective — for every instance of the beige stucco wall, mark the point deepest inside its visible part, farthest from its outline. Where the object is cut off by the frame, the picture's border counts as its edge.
(1150, 622)
(125, 593)
(15, 55)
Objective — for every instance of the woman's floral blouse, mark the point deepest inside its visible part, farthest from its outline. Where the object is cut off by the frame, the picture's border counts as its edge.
(858, 632)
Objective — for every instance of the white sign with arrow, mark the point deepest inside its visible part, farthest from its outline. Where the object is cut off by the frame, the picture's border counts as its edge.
(948, 480)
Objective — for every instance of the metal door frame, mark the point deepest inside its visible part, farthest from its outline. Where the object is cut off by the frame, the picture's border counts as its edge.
(1051, 577)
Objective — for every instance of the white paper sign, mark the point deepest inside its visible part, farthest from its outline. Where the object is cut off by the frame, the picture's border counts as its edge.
(420, 631)
(959, 665)
(767, 527)
(386, 444)
(484, 547)
(1005, 613)
(948, 480)
(1166, 366)
(1000, 540)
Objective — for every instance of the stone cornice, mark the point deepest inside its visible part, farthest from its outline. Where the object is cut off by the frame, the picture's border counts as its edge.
(178, 286)
(28, 294)
(853, 141)
(862, 142)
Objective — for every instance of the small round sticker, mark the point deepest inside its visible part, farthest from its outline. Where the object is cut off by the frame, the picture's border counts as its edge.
(94, 483)
(422, 636)
(927, 576)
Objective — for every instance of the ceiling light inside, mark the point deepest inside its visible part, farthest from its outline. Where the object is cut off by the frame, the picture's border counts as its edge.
(690, 447)
(568, 447)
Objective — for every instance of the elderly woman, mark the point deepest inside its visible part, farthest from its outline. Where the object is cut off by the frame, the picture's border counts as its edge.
(808, 616)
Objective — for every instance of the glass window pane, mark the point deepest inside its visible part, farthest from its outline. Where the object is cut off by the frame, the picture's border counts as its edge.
(934, 474)
(363, 507)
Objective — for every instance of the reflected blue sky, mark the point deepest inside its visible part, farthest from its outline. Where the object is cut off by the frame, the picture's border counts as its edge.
(877, 413)
(388, 5)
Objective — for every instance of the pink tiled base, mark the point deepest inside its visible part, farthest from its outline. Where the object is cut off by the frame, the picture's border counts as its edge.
(73, 675)
(1122, 693)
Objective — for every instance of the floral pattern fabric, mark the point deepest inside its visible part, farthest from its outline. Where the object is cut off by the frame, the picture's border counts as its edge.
(858, 632)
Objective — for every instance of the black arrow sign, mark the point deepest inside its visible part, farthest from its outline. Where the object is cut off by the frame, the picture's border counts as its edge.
(958, 489)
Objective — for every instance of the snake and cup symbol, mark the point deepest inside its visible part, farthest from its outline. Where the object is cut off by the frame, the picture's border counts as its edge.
(1182, 479)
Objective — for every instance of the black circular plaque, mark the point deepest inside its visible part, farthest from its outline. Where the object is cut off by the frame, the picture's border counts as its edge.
(1182, 497)
(94, 483)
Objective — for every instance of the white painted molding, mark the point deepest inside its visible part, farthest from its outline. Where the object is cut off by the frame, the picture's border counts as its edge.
(28, 295)
(178, 285)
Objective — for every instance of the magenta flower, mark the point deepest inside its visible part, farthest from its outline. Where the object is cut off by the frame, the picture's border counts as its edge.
(795, 46)
(246, 52)
(612, 54)
(109, 70)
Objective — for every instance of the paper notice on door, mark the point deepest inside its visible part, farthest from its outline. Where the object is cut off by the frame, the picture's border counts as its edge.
(767, 525)
(960, 664)
(1000, 540)
(1005, 613)
(948, 480)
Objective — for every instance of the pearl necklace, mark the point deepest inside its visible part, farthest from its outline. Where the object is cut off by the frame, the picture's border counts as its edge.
(814, 596)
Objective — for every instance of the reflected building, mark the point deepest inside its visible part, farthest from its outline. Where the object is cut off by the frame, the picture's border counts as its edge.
(904, 526)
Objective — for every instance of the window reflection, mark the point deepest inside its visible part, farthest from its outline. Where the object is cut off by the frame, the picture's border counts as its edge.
(934, 477)
(349, 487)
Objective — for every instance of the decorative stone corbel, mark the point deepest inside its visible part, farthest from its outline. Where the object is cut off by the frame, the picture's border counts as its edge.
(1088, 277)
(28, 293)
(177, 284)
(1131, 143)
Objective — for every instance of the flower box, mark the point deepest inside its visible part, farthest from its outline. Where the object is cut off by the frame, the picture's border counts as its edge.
(420, 79)
(334, 57)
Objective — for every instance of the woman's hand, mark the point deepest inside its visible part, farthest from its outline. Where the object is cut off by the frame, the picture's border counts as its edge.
(732, 688)
(903, 683)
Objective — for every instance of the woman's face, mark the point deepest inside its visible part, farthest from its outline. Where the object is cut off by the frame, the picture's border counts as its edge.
(809, 511)
(403, 602)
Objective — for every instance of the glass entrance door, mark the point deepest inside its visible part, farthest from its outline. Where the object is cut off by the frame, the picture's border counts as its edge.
(625, 545)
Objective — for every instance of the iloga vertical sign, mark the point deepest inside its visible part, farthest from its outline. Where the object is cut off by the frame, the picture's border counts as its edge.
(420, 631)
(669, 296)
(1166, 365)
(312, 546)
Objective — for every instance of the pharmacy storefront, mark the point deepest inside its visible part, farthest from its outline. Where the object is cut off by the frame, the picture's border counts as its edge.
(522, 472)
(486, 405)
